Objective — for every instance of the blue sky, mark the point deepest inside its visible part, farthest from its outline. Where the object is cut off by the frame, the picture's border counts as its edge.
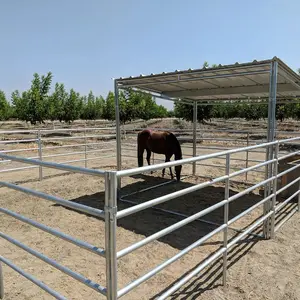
(87, 43)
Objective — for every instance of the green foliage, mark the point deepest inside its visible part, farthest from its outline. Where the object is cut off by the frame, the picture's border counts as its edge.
(72, 107)
(37, 98)
(37, 105)
(185, 111)
(5, 109)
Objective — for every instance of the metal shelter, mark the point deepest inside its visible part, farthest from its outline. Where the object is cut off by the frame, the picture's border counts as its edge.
(270, 79)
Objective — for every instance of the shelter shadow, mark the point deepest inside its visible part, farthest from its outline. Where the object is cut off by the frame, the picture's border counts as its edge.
(150, 221)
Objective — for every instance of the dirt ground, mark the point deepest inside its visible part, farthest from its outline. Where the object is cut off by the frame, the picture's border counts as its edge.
(258, 269)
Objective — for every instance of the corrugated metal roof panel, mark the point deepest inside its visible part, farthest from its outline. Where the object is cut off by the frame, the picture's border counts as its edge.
(222, 82)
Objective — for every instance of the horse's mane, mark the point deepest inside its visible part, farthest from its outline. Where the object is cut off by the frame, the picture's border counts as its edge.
(172, 136)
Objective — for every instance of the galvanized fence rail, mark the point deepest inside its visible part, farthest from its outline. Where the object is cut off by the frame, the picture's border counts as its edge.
(41, 150)
(110, 214)
(270, 183)
(77, 207)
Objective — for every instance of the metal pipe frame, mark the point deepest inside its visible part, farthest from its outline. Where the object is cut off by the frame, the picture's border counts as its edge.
(43, 131)
(226, 217)
(111, 215)
(156, 167)
(54, 165)
(95, 286)
(278, 226)
(76, 206)
(194, 135)
(57, 233)
(177, 225)
(118, 132)
(270, 138)
(35, 281)
(209, 260)
(111, 188)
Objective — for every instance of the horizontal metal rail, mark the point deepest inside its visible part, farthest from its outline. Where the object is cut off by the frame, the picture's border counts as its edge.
(131, 210)
(159, 200)
(169, 229)
(287, 186)
(286, 201)
(209, 260)
(54, 165)
(78, 137)
(192, 218)
(144, 169)
(17, 169)
(290, 214)
(34, 280)
(44, 131)
(77, 152)
(288, 155)
(18, 141)
(250, 189)
(250, 209)
(18, 150)
(76, 206)
(162, 266)
(57, 233)
(207, 147)
(78, 145)
(95, 286)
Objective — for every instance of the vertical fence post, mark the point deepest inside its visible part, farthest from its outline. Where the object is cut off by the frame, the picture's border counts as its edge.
(247, 157)
(267, 192)
(1, 282)
(118, 132)
(110, 208)
(226, 217)
(85, 147)
(274, 190)
(40, 150)
(194, 135)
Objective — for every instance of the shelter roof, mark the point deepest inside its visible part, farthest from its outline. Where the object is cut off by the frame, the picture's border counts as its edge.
(224, 82)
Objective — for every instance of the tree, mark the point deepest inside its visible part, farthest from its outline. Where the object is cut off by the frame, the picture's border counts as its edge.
(37, 98)
(109, 110)
(4, 107)
(56, 103)
(72, 107)
(185, 111)
(20, 105)
(99, 107)
(205, 64)
(89, 107)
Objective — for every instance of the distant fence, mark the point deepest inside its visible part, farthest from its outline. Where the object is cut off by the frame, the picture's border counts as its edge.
(110, 214)
(82, 141)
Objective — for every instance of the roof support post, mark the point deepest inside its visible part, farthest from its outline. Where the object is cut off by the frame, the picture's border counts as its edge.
(270, 137)
(194, 134)
(118, 132)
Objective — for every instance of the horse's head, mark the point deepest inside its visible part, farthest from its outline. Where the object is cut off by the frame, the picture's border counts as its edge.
(178, 172)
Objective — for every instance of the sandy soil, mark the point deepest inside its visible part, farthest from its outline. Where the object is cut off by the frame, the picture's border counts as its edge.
(258, 269)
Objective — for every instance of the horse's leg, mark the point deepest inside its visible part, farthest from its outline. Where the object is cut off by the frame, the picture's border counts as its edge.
(148, 157)
(140, 156)
(163, 170)
(168, 157)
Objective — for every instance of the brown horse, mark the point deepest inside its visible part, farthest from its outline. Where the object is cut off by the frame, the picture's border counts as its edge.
(160, 142)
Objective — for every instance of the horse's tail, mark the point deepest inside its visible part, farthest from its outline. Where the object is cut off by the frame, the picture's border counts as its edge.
(142, 137)
(178, 154)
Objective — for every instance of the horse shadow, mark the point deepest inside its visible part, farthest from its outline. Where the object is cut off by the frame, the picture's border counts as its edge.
(150, 221)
